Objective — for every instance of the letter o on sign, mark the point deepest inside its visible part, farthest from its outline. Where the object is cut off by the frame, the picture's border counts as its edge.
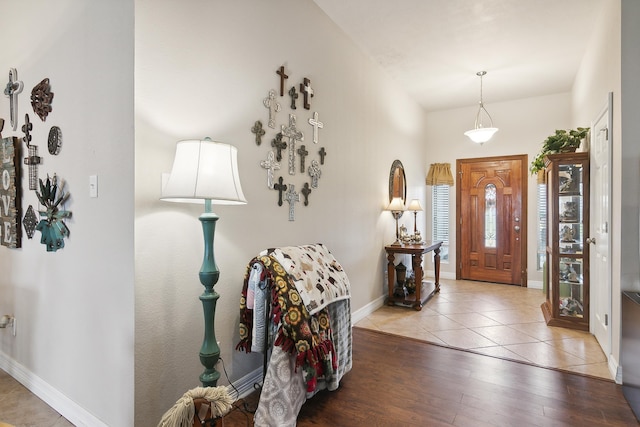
(6, 179)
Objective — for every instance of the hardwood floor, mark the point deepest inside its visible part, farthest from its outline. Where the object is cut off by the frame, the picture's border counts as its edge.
(400, 381)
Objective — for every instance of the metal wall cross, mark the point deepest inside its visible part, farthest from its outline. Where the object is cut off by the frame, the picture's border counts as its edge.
(294, 95)
(305, 88)
(292, 197)
(322, 153)
(273, 105)
(258, 131)
(33, 160)
(281, 188)
(305, 192)
(317, 124)
(283, 77)
(12, 89)
(302, 152)
(314, 173)
(294, 135)
(270, 165)
(279, 145)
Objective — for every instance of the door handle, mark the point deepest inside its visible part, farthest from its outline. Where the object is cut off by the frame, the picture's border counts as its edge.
(591, 240)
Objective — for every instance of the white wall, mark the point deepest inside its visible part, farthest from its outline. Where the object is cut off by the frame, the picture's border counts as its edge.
(600, 73)
(204, 70)
(74, 307)
(524, 124)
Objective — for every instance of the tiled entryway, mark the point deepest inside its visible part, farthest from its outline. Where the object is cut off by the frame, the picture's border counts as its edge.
(496, 320)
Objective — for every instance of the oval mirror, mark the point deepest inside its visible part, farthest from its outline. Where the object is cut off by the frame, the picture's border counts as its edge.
(397, 182)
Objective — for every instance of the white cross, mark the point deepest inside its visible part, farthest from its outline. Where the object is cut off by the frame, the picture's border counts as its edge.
(294, 135)
(273, 106)
(316, 125)
(270, 165)
(13, 88)
(292, 197)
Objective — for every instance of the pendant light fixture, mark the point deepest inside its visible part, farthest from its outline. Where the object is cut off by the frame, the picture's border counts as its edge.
(480, 134)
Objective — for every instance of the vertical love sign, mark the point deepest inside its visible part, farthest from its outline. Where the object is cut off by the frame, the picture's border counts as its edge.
(10, 230)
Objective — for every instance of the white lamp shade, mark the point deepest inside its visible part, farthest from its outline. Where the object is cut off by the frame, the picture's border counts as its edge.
(204, 170)
(481, 135)
(414, 205)
(396, 205)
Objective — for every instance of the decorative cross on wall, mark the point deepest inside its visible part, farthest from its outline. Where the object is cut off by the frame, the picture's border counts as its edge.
(279, 145)
(305, 192)
(33, 160)
(292, 197)
(258, 131)
(294, 135)
(322, 153)
(302, 152)
(270, 165)
(314, 173)
(27, 127)
(317, 124)
(294, 95)
(283, 76)
(280, 187)
(305, 88)
(273, 105)
(12, 89)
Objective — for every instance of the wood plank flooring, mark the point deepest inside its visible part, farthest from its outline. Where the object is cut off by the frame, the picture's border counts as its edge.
(398, 381)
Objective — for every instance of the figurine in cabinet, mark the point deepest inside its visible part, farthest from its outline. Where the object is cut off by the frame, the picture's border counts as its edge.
(569, 212)
(567, 234)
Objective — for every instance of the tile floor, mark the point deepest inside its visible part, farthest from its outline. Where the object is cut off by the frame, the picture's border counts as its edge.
(496, 320)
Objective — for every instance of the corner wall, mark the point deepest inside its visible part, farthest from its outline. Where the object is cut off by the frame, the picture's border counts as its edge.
(204, 70)
(74, 307)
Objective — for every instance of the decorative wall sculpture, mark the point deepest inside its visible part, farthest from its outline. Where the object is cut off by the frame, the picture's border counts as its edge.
(12, 89)
(52, 227)
(41, 98)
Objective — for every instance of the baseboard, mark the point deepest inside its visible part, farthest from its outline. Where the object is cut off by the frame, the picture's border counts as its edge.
(363, 312)
(245, 385)
(49, 394)
(615, 369)
(534, 284)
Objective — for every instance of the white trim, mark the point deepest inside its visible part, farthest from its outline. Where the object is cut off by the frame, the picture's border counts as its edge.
(245, 385)
(443, 275)
(50, 395)
(534, 284)
(615, 369)
(363, 312)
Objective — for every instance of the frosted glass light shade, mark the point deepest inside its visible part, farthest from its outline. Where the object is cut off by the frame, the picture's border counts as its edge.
(481, 135)
(204, 170)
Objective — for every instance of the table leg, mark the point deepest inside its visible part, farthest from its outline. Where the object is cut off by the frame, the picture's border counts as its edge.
(436, 267)
(417, 269)
(391, 269)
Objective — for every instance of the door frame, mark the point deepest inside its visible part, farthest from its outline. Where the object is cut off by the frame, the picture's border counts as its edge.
(524, 158)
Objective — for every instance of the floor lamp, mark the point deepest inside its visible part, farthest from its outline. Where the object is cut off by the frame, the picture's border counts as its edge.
(206, 172)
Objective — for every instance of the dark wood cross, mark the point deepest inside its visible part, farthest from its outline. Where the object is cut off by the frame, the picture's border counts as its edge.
(322, 153)
(270, 165)
(27, 127)
(317, 124)
(302, 152)
(294, 95)
(283, 76)
(280, 187)
(292, 197)
(273, 105)
(12, 89)
(258, 131)
(305, 192)
(294, 135)
(314, 173)
(279, 145)
(33, 160)
(307, 91)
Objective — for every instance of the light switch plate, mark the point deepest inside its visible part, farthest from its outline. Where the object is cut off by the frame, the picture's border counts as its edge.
(93, 186)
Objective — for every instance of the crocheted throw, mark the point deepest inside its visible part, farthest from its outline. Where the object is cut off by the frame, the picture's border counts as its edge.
(306, 336)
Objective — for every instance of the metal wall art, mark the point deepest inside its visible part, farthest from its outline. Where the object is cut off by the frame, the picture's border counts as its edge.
(41, 98)
(32, 161)
(30, 221)
(52, 227)
(54, 141)
(12, 89)
(308, 167)
(10, 202)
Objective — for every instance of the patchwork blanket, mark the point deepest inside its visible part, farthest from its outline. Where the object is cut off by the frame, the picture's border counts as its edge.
(315, 273)
(305, 336)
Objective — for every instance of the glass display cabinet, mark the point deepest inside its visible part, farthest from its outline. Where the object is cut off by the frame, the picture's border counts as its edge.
(567, 257)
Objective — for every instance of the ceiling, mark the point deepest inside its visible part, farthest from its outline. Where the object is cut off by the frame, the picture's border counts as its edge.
(434, 48)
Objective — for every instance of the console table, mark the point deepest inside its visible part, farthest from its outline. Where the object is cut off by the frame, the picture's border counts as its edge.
(424, 290)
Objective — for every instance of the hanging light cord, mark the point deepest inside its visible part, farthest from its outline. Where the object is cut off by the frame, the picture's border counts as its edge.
(478, 123)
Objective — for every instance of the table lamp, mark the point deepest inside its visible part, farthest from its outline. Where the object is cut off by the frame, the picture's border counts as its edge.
(206, 172)
(415, 206)
(396, 207)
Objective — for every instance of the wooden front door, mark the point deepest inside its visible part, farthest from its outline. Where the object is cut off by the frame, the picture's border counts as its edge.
(491, 219)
